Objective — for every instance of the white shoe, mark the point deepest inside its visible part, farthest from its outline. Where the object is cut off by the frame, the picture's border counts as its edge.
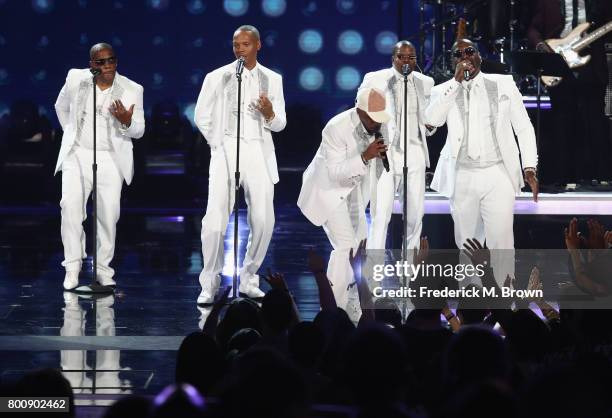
(71, 281)
(249, 286)
(209, 289)
(106, 281)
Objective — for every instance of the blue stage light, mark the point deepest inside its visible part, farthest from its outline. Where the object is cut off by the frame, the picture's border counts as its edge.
(346, 7)
(348, 78)
(311, 79)
(273, 8)
(158, 5)
(43, 6)
(4, 77)
(195, 7)
(350, 42)
(385, 41)
(309, 8)
(189, 113)
(235, 7)
(310, 41)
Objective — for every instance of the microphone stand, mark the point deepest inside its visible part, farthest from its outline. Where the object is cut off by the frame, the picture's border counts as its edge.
(237, 184)
(94, 287)
(405, 72)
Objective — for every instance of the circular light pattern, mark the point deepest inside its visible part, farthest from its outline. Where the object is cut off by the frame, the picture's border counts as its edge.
(83, 39)
(116, 41)
(235, 7)
(43, 42)
(346, 7)
(158, 5)
(159, 40)
(118, 5)
(2, 40)
(42, 111)
(195, 7)
(196, 77)
(82, 4)
(42, 6)
(189, 113)
(309, 8)
(198, 42)
(385, 41)
(4, 77)
(39, 76)
(311, 79)
(348, 78)
(310, 41)
(350, 42)
(269, 38)
(158, 80)
(273, 8)
(4, 109)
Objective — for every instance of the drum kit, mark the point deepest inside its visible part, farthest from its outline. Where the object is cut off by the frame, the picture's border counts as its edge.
(492, 24)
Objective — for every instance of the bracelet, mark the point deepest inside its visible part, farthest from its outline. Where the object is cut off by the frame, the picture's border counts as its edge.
(365, 162)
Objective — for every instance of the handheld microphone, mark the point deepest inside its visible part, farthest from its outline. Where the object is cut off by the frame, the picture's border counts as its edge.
(240, 66)
(466, 75)
(383, 154)
(95, 71)
(406, 70)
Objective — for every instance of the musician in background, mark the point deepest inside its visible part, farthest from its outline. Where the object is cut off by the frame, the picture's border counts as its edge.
(582, 137)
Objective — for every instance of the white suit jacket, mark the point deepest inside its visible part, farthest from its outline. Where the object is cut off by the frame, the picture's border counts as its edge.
(509, 114)
(384, 80)
(219, 94)
(336, 169)
(71, 103)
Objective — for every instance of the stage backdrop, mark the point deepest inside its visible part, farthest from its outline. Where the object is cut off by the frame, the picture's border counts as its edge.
(321, 47)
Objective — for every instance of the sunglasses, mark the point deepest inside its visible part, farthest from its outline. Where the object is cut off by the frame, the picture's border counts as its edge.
(468, 52)
(103, 61)
(403, 57)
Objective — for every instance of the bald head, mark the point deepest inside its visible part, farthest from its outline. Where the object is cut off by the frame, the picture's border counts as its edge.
(401, 44)
(102, 46)
(249, 28)
(403, 53)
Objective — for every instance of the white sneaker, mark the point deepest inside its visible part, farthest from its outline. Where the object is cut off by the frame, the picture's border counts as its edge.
(71, 281)
(106, 281)
(249, 286)
(209, 289)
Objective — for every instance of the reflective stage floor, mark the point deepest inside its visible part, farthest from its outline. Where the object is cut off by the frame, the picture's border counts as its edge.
(130, 339)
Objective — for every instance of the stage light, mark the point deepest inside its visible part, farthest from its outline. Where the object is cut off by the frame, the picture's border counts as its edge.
(39, 76)
(350, 42)
(348, 78)
(4, 77)
(235, 7)
(269, 38)
(43, 42)
(195, 7)
(310, 41)
(4, 109)
(43, 6)
(84, 39)
(159, 40)
(273, 8)
(196, 77)
(198, 42)
(346, 7)
(158, 5)
(309, 8)
(311, 78)
(189, 113)
(385, 41)
(158, 80)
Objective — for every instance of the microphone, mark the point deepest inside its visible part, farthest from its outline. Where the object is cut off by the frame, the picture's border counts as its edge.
(240, 66)
(405, 71)
(383, 154)
(466, 75)
(95, 71)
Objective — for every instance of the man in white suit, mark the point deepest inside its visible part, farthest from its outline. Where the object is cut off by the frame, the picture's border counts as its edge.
(116, 124)
(391, 82)
(336, 186)
(262, 112)
(479, 168)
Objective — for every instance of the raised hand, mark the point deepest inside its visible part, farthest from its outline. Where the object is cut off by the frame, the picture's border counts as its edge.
(460, 70)
(476, 252)
(534, 281)
(572, 236)
(123, 115)
(421, 254)
(264, 105)
(596, 239)
(316, 264)
(608, 238)
(276, 281)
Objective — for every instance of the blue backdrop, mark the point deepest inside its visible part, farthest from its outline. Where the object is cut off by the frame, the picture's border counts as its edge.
(321, 47)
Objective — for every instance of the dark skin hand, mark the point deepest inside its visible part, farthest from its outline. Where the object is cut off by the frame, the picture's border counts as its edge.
(375, 148)
(532, 181)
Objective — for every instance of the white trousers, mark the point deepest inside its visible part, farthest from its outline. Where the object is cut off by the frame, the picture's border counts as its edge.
(482, 207)
(77, 182)
(345, 228)
(381, 208)
(259, 195)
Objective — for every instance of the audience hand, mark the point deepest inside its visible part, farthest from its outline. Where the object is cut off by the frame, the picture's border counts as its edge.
(572, 236)
(608, 238)
(276, 281)
(596, 239)
(316, 264)
(476, 252)
(534, 282)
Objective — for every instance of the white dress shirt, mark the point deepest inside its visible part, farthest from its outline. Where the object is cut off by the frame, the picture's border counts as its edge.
(478, 133)
(413, 121)
(251, 119)
(104, 120)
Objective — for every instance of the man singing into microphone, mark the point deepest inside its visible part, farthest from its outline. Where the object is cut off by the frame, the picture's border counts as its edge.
(479, 168)
(337, 184)
(119, 117)
(262, 111)
(391, 82)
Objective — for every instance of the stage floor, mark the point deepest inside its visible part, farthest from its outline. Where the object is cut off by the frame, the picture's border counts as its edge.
(131, 339)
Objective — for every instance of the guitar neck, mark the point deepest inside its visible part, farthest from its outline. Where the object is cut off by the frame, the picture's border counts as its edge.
(592, 37)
